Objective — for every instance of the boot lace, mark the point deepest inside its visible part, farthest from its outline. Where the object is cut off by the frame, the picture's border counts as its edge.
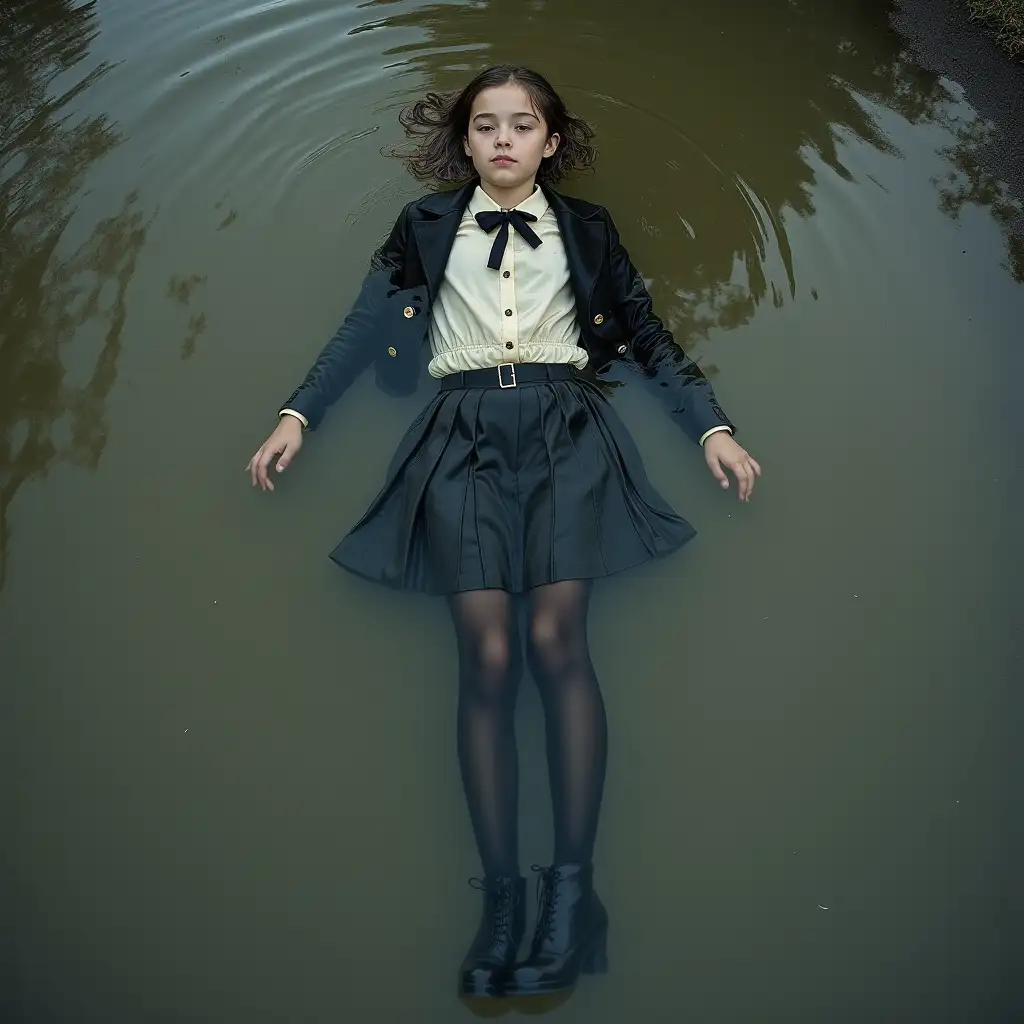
(504, 898)
(547, 901)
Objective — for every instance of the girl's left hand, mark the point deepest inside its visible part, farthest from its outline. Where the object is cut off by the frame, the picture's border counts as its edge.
(721, 452)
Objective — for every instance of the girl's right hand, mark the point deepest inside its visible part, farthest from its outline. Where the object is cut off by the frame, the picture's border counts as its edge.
(286, 440)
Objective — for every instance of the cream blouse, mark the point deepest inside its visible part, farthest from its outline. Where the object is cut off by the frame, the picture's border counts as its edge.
(523, 312)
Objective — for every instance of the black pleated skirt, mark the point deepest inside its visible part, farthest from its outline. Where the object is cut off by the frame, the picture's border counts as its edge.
(511, 489)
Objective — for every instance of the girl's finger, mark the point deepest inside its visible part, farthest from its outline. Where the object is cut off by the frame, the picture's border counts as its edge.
(268, 454)
(253, 463)
(286, 458)
(715, 465)
(751, 477)
(756, 465)
(740, 469)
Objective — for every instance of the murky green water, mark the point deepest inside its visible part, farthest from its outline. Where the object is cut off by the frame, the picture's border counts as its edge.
(230, 782)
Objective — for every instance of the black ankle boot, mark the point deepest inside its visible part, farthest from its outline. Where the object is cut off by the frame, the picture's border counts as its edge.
(571, 935)
(502, 923)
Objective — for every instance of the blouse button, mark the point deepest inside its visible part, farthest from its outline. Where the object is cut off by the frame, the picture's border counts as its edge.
(621, 350)
(508, 344)
(599, 319)
(508, 312)
(392, 351)
(508, 273)
(409, 312)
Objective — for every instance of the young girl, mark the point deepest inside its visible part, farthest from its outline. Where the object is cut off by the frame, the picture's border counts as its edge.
(517, 483)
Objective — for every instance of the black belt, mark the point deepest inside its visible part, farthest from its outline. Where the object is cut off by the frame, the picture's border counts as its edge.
(507, 375)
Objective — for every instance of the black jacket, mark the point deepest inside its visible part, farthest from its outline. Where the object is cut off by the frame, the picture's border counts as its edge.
(388, 322)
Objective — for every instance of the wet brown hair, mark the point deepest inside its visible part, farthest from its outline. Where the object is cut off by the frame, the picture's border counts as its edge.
(439, 123)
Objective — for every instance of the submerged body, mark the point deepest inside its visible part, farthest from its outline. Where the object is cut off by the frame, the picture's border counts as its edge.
(517, 484)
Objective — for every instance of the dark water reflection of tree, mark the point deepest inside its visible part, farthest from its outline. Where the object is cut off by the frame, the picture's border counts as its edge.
(758, 84)
(47, 294)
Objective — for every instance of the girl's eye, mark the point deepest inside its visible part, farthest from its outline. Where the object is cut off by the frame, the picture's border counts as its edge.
(518, 128)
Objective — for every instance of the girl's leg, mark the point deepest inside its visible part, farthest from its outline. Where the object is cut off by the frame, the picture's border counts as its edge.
(577, 731)
(572, 923)
(489, 671)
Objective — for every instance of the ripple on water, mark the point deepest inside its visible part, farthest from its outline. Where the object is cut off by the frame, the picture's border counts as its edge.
(714, 246)
(255, 94)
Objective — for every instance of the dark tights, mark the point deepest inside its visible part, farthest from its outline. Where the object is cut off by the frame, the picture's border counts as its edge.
(486, 626)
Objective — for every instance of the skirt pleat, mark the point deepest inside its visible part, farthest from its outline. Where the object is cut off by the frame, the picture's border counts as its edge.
(512, 489)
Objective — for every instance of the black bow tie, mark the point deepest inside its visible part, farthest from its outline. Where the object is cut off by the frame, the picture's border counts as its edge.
(490, 219)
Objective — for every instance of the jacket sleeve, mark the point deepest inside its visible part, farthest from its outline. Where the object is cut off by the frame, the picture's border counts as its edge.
(685, 390)
(351, 349)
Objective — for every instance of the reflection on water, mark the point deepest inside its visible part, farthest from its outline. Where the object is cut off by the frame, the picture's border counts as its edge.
(729, 191)
(181, 290)
(247, 760)
(48, 295)
(968, 182)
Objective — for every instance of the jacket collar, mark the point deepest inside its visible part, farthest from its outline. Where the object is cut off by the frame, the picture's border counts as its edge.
(435, 231)
(443, 204)
(582, 226)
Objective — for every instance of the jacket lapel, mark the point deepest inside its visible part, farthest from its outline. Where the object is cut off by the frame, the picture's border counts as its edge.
(585, 238)
(435, 232)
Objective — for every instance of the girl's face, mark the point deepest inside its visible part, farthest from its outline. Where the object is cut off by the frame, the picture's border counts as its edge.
(507, 137)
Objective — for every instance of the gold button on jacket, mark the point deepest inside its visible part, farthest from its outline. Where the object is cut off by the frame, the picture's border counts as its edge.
(409, 312)
(599, 319)
(392, 351)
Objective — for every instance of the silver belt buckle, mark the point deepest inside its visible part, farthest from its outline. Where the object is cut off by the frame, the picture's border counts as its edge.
(512, 371)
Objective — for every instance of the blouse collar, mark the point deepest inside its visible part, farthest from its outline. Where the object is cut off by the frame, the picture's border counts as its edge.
(536, 203)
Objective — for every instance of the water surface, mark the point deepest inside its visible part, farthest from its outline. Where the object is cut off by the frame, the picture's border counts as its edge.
(231, 787)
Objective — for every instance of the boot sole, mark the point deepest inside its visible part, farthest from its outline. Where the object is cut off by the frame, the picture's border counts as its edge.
(595, 962)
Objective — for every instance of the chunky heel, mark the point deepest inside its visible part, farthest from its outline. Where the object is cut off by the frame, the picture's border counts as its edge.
(596, 961)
